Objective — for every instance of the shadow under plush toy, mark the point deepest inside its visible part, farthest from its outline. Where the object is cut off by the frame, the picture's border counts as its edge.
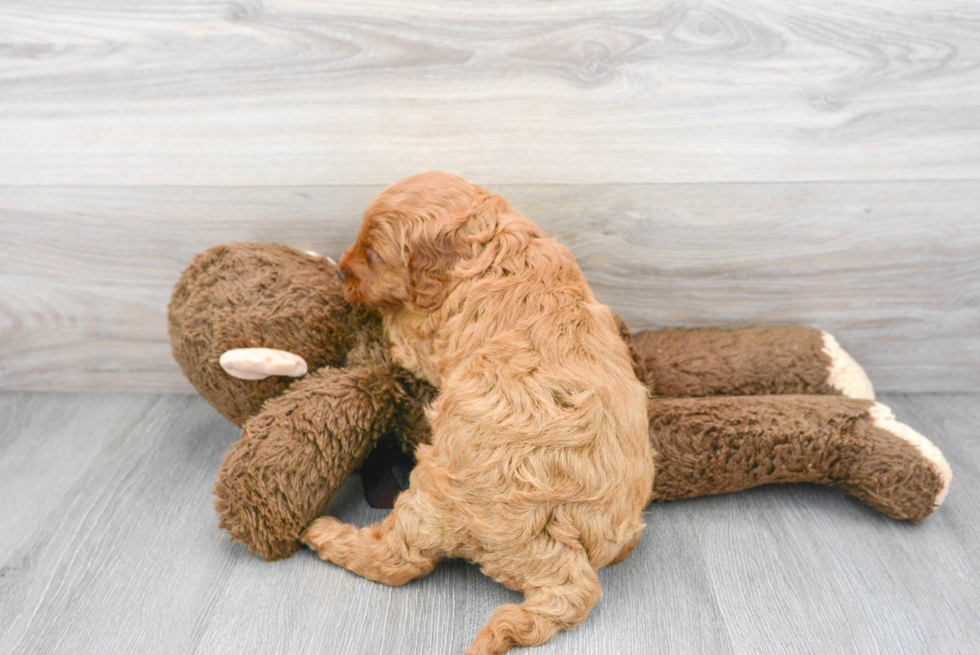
(262, 331)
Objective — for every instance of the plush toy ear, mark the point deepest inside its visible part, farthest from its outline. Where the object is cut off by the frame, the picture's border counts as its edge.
(260, 363)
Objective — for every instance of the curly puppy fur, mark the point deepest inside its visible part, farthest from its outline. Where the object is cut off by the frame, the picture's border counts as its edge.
(540, 463)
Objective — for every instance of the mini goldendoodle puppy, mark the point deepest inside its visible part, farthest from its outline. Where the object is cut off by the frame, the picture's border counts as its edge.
(540, 463)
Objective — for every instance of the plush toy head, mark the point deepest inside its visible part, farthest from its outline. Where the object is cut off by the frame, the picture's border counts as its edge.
(301, 438)
(246, 295)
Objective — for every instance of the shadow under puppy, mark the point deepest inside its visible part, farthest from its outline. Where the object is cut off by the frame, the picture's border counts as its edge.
(540, 463)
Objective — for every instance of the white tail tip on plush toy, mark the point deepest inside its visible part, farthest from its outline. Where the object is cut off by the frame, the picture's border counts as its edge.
(260, 363)
(845, 374)
(884, 419)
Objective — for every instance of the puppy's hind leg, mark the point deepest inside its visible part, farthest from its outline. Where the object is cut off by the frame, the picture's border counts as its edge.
(560, 604)
(393, 552)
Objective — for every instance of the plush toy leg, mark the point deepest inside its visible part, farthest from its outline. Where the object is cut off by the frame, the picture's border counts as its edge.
(751, 361)
(716, 445)
(295, 454)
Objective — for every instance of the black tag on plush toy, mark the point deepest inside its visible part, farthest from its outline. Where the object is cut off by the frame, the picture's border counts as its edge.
(385, 475)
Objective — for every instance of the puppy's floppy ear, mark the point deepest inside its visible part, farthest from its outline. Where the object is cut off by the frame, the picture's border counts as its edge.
(433, 248)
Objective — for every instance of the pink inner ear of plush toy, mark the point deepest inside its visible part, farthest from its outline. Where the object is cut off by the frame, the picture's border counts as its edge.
(260, 363)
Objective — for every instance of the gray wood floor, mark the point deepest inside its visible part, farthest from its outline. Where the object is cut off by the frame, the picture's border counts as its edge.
(109, 544)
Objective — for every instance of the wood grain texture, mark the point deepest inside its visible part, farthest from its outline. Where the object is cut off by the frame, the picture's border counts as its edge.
(287, 92)
(109, 544)
(893, 269)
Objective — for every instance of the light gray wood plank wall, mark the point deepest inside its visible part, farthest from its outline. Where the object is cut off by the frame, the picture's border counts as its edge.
(301, 92)
(710, 163)
(109, 544)
(892, 269)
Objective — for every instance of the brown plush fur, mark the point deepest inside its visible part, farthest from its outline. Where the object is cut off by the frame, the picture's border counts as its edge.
(751, 361)
(539, 466)
(237, 296)
(722, 444)
(301, 439)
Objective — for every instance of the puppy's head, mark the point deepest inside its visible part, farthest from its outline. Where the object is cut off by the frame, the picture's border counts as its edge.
(413, 235)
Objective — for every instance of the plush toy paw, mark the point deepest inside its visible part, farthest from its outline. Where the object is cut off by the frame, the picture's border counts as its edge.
(845, 374)
(901, 473)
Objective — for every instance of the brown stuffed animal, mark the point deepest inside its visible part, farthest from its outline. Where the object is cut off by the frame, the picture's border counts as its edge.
(301, 438)
(729, 409)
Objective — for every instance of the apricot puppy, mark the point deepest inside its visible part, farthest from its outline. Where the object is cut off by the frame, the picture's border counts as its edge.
(540, 463)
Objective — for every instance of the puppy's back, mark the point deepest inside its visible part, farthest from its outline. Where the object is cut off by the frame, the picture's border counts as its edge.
(542, 397)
